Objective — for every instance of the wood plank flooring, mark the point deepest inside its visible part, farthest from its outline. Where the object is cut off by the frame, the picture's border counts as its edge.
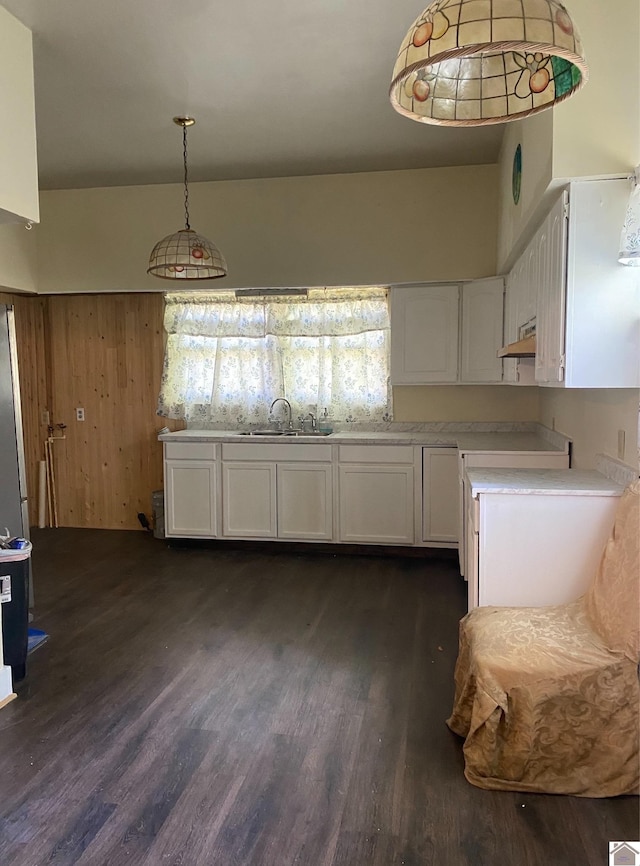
(198, 707)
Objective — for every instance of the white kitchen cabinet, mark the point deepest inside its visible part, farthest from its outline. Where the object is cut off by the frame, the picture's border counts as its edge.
(376, 494)
(277, 491)
(424, 334)
(535, 548)
(440, 500)
(482, 331)
(505, 460)
(18, 159)
(249, 500)
(190, 480)
(585, 303)
(519, 310)
(549, 275)
(305, 508)
(447, 333)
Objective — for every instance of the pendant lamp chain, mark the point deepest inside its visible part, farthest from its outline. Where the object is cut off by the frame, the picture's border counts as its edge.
(187, 224)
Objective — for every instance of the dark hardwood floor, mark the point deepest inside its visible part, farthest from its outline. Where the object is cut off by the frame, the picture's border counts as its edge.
(199, 707)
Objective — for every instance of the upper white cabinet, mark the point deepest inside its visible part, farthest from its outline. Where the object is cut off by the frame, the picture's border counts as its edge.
(586, 304)
(447, 334)
(482, 313)
(18, 160)
(424, 334)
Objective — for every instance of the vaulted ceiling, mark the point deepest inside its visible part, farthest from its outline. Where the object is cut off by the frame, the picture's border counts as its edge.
(290, 87)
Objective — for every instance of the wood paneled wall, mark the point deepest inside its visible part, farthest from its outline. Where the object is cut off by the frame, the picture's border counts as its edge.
(102, 353)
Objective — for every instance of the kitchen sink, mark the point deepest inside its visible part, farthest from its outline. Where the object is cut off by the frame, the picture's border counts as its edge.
(283, 433)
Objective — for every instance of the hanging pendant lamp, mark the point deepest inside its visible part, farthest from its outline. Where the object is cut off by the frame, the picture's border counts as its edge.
(475, 62)
(186, 255)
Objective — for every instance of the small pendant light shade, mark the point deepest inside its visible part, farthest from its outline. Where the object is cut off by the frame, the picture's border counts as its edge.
(186, 255)
(477, 62)
(630, 238)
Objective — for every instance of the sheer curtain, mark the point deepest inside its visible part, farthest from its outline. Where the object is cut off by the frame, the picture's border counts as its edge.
(228, 358)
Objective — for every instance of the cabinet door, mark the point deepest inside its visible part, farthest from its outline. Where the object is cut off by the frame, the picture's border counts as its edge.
(305, 501)
(249, 500)
(190, 498)
(424, 334)
(482, 321)
(376, 504)
(550, 246)
(440, 517)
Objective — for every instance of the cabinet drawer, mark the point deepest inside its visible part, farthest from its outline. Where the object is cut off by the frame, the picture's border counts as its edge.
(376, 453)
(189, 451)
(290, 452)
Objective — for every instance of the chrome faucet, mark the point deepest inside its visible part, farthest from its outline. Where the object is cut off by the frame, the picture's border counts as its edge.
(314, 422)
(288, 405)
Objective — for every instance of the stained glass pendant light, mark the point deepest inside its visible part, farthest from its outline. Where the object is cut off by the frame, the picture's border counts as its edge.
(186, 255)
(476, 62)
(630, 238)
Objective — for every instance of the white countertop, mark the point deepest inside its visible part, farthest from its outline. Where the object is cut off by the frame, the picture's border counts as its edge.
(465, 441)
(554, 482)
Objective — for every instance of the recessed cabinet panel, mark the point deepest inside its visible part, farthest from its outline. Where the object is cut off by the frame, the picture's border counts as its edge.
(376, 504)
(190, 497)
(482, 314)
(424, 334)
(305, 501)
(249, 500)
(440, 495)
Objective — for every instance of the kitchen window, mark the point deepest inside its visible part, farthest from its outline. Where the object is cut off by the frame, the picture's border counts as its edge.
(228, 358)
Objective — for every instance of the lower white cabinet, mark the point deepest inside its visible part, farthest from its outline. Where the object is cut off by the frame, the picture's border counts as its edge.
(277, 491)
(305, 501)
(501, 460)
(190, 498)
(534, 549)
(440, 500)
(376, 494)
(249, 500)
(190, 490)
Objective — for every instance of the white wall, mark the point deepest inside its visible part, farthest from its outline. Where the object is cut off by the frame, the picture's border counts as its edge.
(18, 257)
(349, 229)
(592, 418)
(597, 131)
(465, 403)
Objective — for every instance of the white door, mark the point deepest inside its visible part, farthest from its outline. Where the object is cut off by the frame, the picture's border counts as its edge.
(424, 334)
(482, 321)
(440, 517)
(376, 504)
(249, 500)
(190, 498)
(304, 501)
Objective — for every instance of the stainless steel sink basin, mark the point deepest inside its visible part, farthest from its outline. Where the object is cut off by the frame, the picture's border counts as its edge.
(282, 433)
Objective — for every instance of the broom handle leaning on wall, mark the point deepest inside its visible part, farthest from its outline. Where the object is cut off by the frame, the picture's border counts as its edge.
(47, 454)
(42, 493)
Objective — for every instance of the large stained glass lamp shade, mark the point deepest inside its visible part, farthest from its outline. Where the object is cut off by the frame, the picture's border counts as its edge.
(476, 62)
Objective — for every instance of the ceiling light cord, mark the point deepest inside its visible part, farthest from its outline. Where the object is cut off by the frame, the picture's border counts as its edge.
(187, 224)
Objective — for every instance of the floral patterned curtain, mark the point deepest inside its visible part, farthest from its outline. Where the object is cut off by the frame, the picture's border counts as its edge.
(228, 358)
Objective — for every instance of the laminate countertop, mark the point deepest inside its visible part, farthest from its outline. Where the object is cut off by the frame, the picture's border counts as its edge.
(465, 441)
(552, 482)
